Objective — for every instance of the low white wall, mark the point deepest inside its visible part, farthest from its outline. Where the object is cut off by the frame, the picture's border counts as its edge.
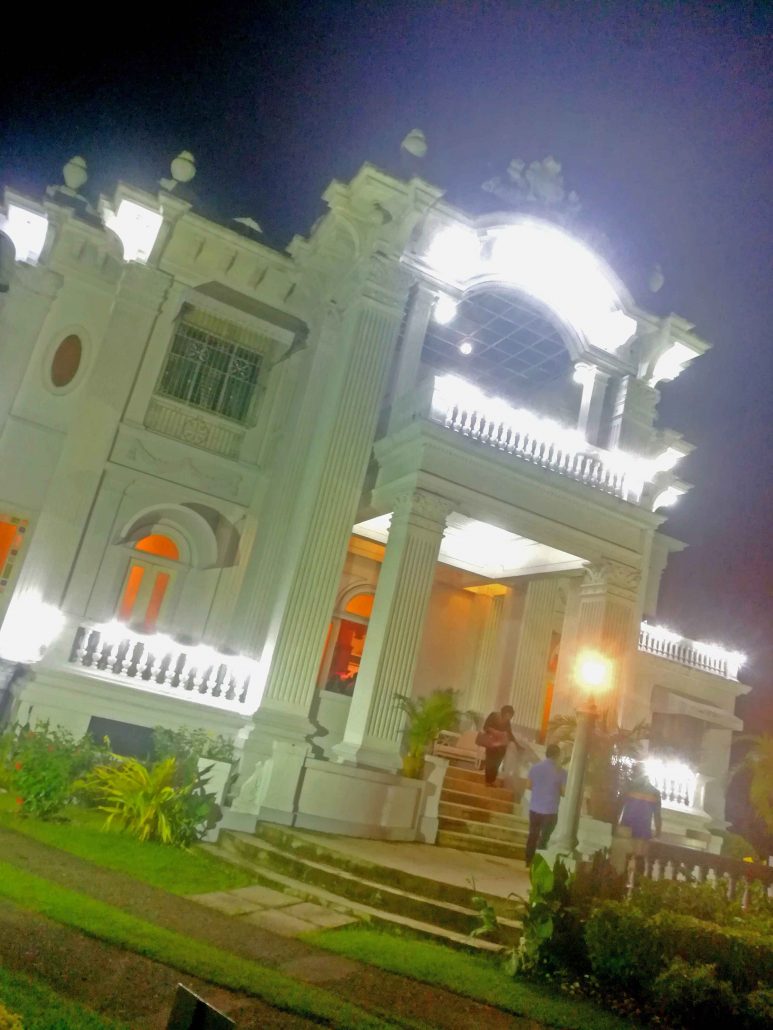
(70, 701)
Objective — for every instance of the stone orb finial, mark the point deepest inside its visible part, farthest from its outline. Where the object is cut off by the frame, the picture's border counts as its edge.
(656, 279)
(183, 167)
(75, 174)
(415, 143)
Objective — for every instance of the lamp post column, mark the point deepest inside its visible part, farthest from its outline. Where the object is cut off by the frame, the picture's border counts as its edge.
(565, 838)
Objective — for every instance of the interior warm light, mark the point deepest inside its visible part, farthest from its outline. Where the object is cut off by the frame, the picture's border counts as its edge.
(465, 347)
(137, 228)
(27, 229)
(29, 628)
(669, 365)
(445, 309)
(593, 671)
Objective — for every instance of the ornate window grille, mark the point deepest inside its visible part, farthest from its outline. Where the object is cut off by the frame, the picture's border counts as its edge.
(210, 372)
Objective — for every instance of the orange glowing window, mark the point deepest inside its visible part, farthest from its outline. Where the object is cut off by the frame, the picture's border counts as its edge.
(7, 536)
(158, 544)
(361, 604)
(156, 599)
(130, 591)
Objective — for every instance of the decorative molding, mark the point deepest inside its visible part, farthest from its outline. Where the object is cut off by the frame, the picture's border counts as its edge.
(419, 503)
(612, 575)
(139, 457)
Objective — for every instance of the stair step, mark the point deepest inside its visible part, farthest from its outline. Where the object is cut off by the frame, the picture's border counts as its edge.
(340, 903)
(505, 834)
(316, 862)
(479, 787)
(473, 813)
(491, 804)
(482, 845)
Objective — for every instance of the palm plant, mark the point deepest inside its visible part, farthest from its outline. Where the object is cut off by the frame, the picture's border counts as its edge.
(427, 717)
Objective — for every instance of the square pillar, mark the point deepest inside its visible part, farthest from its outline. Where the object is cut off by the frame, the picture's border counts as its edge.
(374, 727)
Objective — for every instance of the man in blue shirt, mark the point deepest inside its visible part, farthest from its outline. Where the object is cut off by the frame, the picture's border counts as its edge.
(547, 781)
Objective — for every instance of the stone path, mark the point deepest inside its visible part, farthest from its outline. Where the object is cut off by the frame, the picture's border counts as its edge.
(272, 910)
(380, 993)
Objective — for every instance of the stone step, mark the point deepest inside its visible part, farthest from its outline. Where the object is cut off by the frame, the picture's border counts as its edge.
(483, 815)
(491, 804)
(509, 835)
(346, 891)
(479, 787)
(342, 904)
(481, 845)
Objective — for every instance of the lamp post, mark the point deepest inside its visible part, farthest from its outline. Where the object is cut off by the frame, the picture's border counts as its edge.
(593, 673)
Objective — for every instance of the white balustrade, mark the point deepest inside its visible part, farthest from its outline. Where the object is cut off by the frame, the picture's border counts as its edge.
(460, 406)
(707, 657)
(159, 663)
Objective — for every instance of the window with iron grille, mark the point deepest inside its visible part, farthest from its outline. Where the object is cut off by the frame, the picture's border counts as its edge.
(210, 372)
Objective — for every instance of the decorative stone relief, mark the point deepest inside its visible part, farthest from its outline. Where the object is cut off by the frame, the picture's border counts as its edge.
(225, 483)
(612, 575)
(429, 507)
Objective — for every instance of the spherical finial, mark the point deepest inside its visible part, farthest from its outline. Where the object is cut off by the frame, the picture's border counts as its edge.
(656, 279)
(75, 174)
(183, 167)
(415, 143)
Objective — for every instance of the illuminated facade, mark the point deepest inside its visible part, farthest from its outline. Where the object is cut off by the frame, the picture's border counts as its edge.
(262, 492)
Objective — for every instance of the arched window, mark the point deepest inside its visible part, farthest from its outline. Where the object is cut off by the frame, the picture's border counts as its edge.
(345, 643)
(147, 581)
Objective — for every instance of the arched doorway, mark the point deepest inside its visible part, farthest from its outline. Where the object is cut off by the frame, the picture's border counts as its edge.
(152, 566)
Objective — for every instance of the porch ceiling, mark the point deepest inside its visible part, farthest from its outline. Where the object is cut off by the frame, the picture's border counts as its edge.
(484, 549)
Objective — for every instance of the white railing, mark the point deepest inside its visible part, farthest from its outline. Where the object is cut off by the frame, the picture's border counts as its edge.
(707, 657)
(162, 665)
(460, 406)
(680, 787)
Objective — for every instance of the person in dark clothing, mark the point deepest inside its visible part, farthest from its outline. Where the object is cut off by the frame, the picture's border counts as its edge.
(641, 808)
(499, 734)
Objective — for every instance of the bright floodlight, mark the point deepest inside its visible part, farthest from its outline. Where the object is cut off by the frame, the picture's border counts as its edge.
(445, 309)
(669, 365)
(667, 498)
(29, 628)
(27, 229)
(455, 253)
(563, 274)
(593, 671)
(465, 347)
(137, 228)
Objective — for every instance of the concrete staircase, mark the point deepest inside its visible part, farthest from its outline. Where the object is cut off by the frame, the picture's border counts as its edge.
(476, 817)
(313, 867)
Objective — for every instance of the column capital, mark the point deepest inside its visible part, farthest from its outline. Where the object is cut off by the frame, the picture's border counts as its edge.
(430, 509)
(608, 576)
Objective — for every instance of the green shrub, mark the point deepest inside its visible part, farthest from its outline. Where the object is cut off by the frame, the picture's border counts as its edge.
(736, 846)
(742, 955)
(623, 951)
(9, 1021)
(43, 765)
(149, 802)
(185, 744)
(757, 1009)
(690, 995)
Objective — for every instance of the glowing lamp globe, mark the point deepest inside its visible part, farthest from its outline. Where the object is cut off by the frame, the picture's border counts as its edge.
(593, 672)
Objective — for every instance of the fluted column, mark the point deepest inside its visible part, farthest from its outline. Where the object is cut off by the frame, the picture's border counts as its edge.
(481, 694)
(373, 729)
(527, 693)
(606, 619)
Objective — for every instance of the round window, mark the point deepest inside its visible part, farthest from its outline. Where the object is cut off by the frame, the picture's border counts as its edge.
(66, 361)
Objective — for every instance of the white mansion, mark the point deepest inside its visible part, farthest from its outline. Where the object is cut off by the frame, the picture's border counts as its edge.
(264, 491)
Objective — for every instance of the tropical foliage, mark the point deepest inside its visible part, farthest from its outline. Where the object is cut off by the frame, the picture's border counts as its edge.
(758, 763)
(426, 717)
(150, 802)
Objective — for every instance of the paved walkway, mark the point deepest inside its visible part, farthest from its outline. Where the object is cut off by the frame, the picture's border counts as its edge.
(398, 998)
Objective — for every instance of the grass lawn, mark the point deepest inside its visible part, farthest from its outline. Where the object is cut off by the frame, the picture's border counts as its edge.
(472, 976)
(173, 949)
(176, 870)
(40, 1008)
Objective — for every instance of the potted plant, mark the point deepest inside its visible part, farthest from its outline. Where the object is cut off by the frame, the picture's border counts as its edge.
(426, 718)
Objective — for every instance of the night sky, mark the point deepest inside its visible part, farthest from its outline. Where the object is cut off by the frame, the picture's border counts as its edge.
(659, 112)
